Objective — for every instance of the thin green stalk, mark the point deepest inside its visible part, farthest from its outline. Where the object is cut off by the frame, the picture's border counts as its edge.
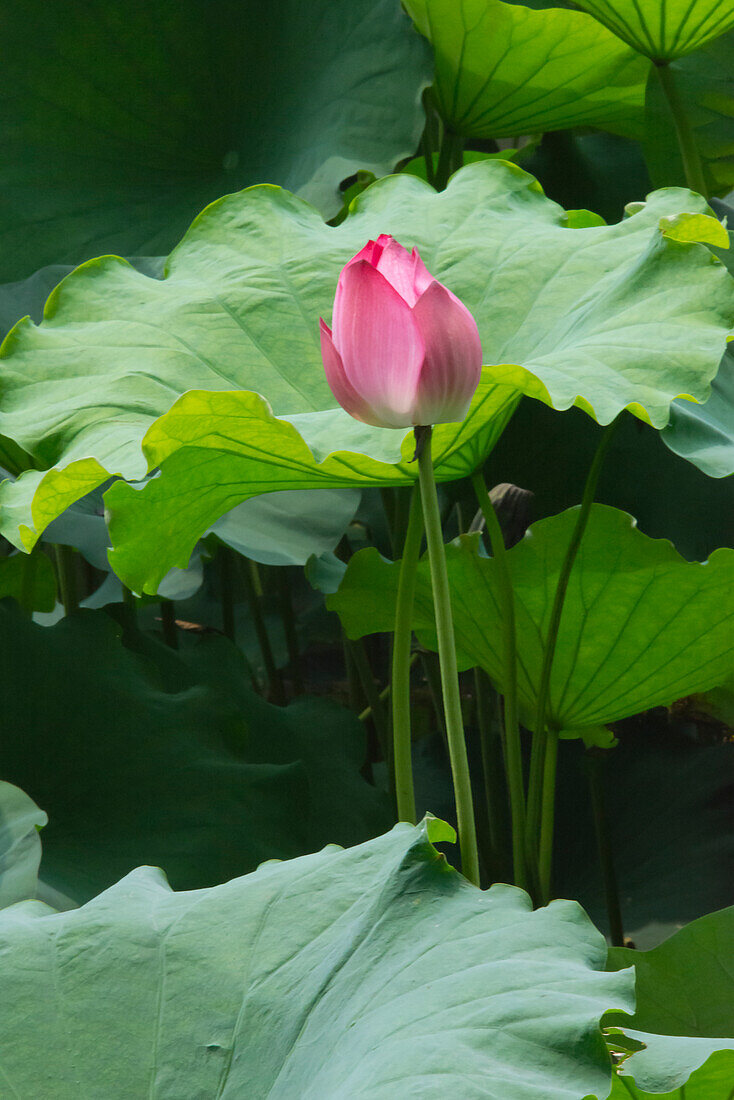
(226, 593)
(447, 655)
(354, 688)
(401, 662)
(690, 155)
(251, 582)
(540, 737)
(493, 769)
(168, 623)
(513, 747)
(594, 765)
(67, 579)
(369, 688)
(449, 158)
(287, 614)
(432, 672)
(385, 693)
(547, 816)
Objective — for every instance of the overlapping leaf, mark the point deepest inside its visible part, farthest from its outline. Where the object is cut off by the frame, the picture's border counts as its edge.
(704, 434)
(640, 625)
(119, 124)
(338, 974)
(663, 29)
(506, 69)
(604, 317)
(685, 1010)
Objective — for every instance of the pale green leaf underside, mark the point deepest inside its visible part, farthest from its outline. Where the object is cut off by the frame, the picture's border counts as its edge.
(603, 316)
(505, 69)
(20, 844)
(340, 974)
(663, 29)
(640, 627)
(120, 122)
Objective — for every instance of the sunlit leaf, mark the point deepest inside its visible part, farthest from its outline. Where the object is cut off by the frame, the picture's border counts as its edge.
(640, 626)
(505, 69)
(663, 29)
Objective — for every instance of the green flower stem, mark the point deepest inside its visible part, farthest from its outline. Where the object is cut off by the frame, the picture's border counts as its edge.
(450, 158)
(594, 765)
(168, 624)
(686, 138)
(493, 769)
(540, 738)
(513, 748)
(548, 808)
(361, 664)
(67, 578)
(402, 745)
(287, 614)
(226, 594)
(251, 582)
(447, 656)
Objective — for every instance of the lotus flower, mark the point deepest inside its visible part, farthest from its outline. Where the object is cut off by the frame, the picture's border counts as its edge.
(403, 351)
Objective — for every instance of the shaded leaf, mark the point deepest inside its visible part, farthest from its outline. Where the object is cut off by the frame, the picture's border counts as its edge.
(331, 975)
(138, 757)
(685, 1004)
(704, 83)
(119, 125)
(30, 580)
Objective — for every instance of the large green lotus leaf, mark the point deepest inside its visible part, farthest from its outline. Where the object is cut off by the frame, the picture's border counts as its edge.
(20, 844)
(640, 626)
(606, 317)
(504, 69)
(685, 1008)
(138, 757)
(705, 86)
(120, 124)
(372, 972)
(663, 29)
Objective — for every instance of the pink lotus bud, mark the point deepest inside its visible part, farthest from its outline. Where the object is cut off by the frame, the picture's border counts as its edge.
(403, 351)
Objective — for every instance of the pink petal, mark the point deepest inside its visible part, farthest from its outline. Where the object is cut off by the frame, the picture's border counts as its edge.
(339, 384)
(371, 251)
(367, 253)
(453, 360)
(379, 344)
(422, 277)
(398, 267)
